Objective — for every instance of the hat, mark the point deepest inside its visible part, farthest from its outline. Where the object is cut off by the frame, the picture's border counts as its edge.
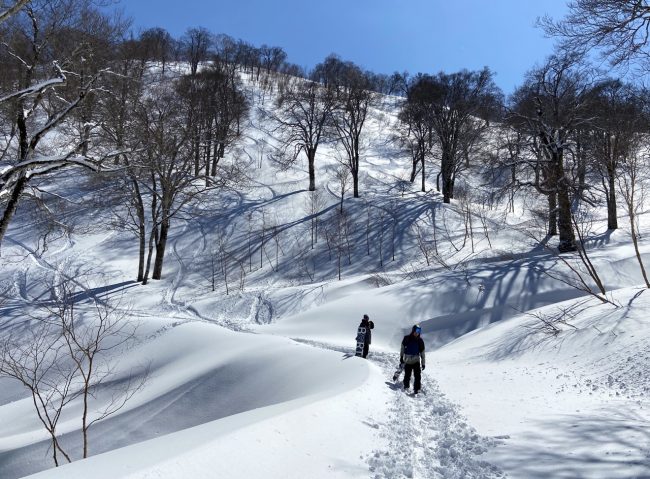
(416, 329)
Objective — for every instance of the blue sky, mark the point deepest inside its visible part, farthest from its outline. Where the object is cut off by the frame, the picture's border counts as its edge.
(380, 35)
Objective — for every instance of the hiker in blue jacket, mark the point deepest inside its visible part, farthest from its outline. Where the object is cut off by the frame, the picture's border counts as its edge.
(410, 355)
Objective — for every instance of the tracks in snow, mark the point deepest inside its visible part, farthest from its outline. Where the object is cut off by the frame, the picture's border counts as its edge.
(426, 436)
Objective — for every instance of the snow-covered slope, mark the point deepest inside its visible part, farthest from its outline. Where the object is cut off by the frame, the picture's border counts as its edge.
(263, 382)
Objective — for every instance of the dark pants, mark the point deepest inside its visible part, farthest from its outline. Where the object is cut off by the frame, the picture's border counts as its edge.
(407, 375)
(365, 349)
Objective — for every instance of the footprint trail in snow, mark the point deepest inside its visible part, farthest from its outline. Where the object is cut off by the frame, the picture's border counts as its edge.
(427, 436)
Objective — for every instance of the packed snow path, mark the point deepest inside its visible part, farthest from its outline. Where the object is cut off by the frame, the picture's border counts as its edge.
(427, 436)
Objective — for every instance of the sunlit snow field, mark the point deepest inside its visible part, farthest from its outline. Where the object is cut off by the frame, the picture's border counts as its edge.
(263, 381)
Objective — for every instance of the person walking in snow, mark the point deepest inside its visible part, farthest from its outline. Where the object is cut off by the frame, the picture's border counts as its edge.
(410, 355)
(366, 323)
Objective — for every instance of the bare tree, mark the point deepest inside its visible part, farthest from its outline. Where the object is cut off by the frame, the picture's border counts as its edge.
(168, 166)
(249, 240)
(89, 346)
(619, 28)
(300, 119)
(36, 361)
(221, 254)
(215, 106)
(551, 323)
(421, 235)
(354, 99)
(583, 224)
(158, 45)
(342, 176)
(632, 183)
(505, 163)
(393, 211)
(267, 226)
(272, 58)
(43, 103)
(276, 234)
(368, 208)
(465, 203)
(458, 107)
(417, 134)
(618, 119)
(127, 197)
(68, 360)
(549, 110)
(196, 44)
(402, 184)
(336, 233)
(482, 213)
(434, 227)
(303, 257)
(381, 215)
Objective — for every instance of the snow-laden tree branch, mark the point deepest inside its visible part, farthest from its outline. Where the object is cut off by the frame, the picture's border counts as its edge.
(30, 163)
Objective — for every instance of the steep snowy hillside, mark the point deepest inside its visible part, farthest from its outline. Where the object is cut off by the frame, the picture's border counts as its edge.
(526, 377)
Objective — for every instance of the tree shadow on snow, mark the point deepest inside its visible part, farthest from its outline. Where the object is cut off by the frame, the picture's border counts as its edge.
(612, 445)
(466, 299)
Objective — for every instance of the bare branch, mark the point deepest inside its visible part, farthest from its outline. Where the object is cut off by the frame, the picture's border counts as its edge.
(12, 10)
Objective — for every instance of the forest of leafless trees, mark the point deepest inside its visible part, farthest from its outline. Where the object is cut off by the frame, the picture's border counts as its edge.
(569, 134)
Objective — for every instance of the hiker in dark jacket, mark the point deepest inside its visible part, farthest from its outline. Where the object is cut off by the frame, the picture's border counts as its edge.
(366, 323)
(410, 355)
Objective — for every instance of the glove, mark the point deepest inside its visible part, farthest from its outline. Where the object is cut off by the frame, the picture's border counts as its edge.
(423, 367)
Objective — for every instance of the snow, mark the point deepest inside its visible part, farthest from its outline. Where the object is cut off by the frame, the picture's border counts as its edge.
(575, 404)
(263, 382)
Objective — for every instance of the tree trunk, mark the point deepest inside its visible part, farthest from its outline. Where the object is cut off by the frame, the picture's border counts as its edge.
(414, 167)
(12, 204)
(84, 416)
(552, 214)
(160, 250)
(196, 146)
(142, 233)
(311, 157)
(636, 242)
(564, 223)
(142, 248)
(208, 155)
(423, 172)
(152, 237)
(447, 191)
(446, 169)
(612, 218)
(219, 152)
(355, 178)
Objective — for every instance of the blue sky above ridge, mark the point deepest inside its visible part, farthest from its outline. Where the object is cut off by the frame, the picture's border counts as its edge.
(380, 35)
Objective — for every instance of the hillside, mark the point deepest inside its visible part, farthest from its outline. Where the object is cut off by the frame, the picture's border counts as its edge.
(258, 378)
